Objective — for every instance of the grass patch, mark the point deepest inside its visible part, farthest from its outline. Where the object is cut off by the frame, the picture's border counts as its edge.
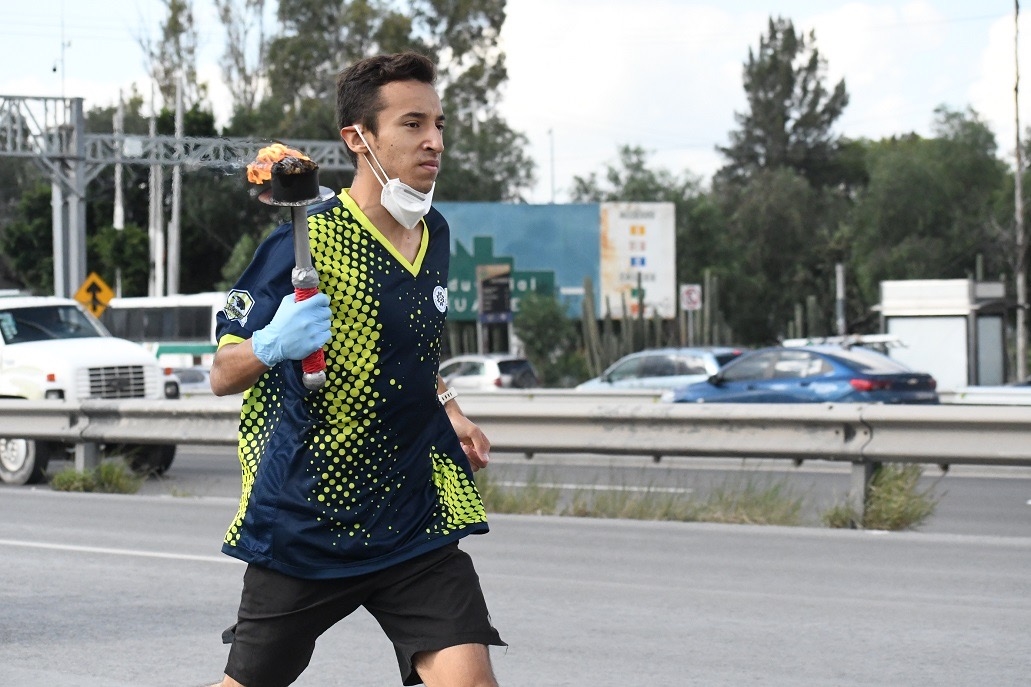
(894, 502)
(110, 477)
(531, 499)
(650, 504)
(751, 501)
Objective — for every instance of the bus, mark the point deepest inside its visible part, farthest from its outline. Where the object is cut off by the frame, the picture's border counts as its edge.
(179, 330)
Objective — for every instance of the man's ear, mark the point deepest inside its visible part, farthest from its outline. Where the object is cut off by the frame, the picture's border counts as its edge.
(353, 141)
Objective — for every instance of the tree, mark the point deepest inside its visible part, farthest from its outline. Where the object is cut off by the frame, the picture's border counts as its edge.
(551, 340)
(125, 251)
(242, 74)
(790, 111)
(173, 59)
(27, 241)
(216, 211)
(931, 204)
(485, 159)
(786, 189)
(778, 228)
(17, 177)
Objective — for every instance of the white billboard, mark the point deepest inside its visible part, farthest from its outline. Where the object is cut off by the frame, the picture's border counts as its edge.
(638, 245)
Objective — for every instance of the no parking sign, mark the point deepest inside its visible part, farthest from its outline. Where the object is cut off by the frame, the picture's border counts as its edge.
(690, 297)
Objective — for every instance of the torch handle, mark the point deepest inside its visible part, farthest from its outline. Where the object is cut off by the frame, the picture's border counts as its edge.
(306, 284)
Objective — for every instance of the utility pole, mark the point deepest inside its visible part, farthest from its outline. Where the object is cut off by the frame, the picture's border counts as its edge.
(841, 322)
(175, 226)
(157, 215)
(1020, 269)
(119, 214)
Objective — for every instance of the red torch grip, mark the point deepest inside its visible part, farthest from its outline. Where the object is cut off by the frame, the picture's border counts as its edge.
(315, 362)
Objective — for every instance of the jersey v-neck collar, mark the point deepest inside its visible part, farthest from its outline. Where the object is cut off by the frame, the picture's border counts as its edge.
(356, 211)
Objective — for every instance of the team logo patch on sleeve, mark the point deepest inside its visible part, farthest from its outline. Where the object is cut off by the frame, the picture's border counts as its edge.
(238, 304)
(440, 298)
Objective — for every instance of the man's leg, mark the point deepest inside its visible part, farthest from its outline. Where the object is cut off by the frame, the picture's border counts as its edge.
(227, 682)
(465, 665)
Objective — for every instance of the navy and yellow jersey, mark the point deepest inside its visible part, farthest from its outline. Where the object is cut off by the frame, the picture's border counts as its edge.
(367, 471)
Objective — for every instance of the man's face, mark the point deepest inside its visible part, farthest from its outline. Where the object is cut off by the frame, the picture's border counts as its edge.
(410, 136)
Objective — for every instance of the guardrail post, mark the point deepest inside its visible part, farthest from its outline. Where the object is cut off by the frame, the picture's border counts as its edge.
(87, 456)
(859, 491)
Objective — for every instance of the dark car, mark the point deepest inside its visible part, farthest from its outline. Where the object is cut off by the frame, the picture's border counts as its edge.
(812, 374)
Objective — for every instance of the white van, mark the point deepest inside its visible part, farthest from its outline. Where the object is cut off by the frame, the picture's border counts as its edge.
(52, 348)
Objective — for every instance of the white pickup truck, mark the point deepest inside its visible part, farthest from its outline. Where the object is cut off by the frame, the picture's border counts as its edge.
(52, 348)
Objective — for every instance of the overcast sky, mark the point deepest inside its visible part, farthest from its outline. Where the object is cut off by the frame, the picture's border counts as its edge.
(588, 76)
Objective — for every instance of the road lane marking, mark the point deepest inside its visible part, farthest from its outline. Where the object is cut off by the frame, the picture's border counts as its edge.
(117, 552)
(592, 487)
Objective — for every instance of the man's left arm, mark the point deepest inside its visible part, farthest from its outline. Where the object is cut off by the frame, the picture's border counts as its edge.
(474, 441)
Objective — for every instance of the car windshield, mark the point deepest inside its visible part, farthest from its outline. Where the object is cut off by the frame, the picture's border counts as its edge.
(870, 362)
(46, 322)
(520, 371)
(724, 358)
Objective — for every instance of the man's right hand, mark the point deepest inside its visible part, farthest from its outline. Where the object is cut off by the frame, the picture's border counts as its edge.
(298, 329)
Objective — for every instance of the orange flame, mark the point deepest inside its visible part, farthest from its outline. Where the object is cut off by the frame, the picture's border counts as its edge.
(261, 169)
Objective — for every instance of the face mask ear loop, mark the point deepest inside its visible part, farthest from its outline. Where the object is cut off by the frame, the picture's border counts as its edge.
(383, 181)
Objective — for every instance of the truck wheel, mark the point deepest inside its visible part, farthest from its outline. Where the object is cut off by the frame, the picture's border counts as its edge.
(23, 461)
(150, 459)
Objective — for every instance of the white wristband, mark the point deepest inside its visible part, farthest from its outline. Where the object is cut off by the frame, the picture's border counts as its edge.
(446, 396)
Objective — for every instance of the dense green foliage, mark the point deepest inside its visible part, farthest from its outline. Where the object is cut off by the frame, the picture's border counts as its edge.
(790, 111)
(282, 80)
(550, 340)
(794, 197)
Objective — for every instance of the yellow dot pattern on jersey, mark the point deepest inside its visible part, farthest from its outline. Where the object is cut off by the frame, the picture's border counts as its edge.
(348, 457)
(460, 500)
(258, 415)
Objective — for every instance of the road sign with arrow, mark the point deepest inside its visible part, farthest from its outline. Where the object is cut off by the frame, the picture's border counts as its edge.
(94, 294)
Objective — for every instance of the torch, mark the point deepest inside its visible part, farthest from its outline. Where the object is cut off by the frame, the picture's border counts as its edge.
(295, 184)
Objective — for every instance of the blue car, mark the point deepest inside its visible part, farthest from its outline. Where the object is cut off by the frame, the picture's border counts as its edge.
(811, 374)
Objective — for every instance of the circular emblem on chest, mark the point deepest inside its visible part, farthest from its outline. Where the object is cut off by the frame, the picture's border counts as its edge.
(440, 298)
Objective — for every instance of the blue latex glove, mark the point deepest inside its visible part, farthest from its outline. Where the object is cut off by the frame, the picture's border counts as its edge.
(297, 330)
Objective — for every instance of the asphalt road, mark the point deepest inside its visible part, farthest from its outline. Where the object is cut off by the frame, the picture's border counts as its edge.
(111, 591)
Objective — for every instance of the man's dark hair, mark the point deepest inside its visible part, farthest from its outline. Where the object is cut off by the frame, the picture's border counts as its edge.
(358, 96)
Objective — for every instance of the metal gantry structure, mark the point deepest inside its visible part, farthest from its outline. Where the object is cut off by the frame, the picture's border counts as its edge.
(51, 132)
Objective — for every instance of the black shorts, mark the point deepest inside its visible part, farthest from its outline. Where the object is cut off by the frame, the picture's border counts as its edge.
(425, 604)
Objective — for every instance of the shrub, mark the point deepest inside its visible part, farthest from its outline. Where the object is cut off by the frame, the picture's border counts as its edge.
(894, 502)
(110, 477)
(71, 479)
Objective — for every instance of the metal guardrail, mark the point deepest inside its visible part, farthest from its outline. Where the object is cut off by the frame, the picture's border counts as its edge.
(988, 395)
(556, 421)
(543, 421)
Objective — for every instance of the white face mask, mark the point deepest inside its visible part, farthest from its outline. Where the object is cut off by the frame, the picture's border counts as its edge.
(403, 202)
